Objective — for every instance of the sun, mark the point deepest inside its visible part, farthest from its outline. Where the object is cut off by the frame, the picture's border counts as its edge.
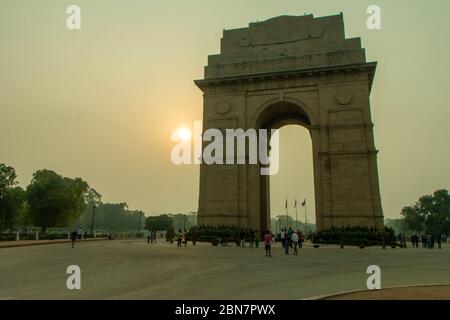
(184, 134)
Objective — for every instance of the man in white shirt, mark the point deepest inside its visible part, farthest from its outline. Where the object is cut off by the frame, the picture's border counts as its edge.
(294, 239)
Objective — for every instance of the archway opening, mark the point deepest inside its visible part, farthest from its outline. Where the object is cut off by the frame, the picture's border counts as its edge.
(287, 197)
(293, 183)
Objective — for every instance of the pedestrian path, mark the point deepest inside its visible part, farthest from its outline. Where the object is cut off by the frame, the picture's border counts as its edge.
(23, 243)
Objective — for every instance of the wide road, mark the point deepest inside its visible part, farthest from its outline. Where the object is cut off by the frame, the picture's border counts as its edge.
(132, 269)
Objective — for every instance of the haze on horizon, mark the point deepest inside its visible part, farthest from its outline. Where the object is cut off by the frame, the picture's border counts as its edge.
(101, 103)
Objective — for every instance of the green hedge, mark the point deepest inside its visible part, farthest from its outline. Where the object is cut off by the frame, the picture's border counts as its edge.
(357, 236)
(209, 233)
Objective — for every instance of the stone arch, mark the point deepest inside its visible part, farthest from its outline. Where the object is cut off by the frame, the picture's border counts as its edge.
(285, 73)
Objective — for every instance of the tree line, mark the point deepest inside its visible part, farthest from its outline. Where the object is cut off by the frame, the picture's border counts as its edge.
(429, 214)
(178, 221)
(54, 201)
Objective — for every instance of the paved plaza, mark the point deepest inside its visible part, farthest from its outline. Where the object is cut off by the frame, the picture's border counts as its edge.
(133, 269)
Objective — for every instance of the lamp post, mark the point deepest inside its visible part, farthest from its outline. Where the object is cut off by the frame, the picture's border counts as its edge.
(93, 217)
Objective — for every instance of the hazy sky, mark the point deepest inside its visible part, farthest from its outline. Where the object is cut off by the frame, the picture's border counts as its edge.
(101, 103)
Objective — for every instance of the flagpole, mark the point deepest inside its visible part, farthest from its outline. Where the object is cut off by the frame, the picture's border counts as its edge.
(287, 214)
(296, 220)
(306, 219)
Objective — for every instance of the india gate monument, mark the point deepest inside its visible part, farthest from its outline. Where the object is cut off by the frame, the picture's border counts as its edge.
(293, 70)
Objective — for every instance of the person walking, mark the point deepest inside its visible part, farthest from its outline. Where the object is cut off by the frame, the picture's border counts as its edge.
(179, 238)
(251, 238)
(289, 235)
(286, 244)
(242, 237)
(268, 243)
(73, 237)
(194, 237)
(283, 237)
(149, 237)
(294, 240)
(300, 239)
(185, 237)
(256, 239)
(439, 240)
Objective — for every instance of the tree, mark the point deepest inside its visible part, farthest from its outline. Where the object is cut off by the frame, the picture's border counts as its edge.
(54, 200)
(93, 200)
(430, 213)
(7, 177)
(93, 197)
(12, 206)
(12, 199)
(413, 219)
(111, 217)
(159, 223)
(184, 220)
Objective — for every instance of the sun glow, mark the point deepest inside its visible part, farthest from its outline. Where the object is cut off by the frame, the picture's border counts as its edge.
(184, 134)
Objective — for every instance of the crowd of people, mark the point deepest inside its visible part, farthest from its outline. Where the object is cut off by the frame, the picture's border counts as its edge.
(151, 236)
(250, 236)
(289, 238)
(428, 240)
(180, 237)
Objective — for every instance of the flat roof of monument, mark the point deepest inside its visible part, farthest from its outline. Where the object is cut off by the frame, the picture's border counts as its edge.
(309, 15)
